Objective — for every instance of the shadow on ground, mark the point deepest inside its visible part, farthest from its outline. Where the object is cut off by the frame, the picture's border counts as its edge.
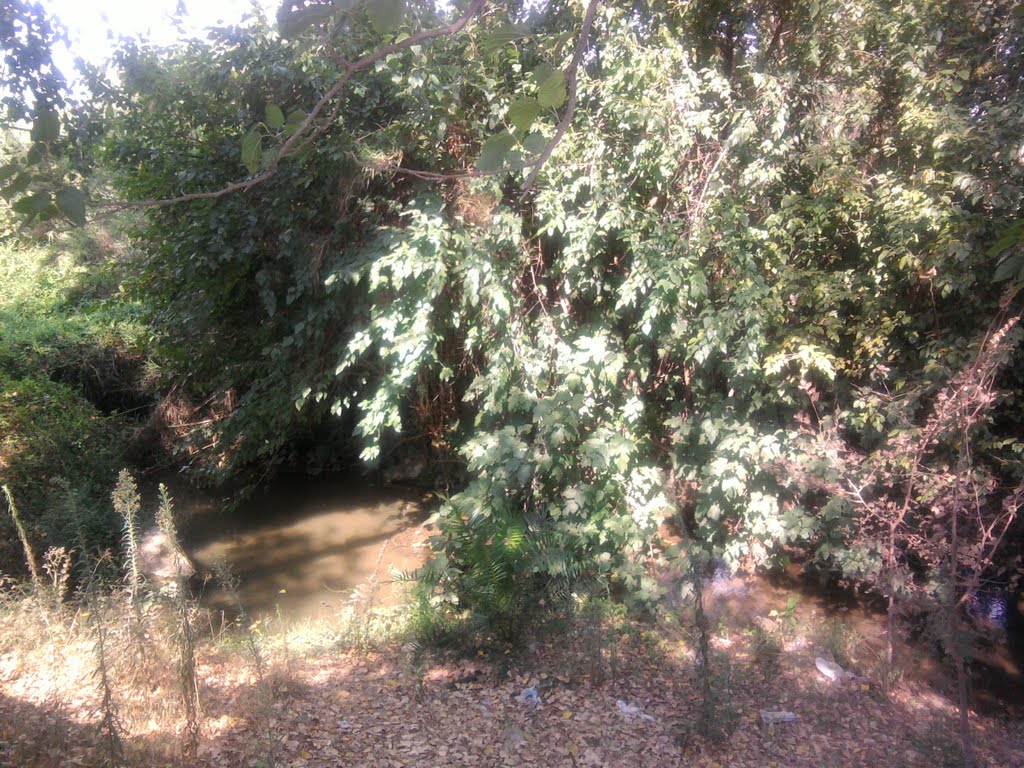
(621, 696)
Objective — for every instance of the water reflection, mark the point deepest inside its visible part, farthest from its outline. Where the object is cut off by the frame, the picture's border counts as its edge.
(301, 546)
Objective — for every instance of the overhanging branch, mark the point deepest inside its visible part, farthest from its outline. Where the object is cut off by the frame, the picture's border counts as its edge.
(308, 128)
(571, 79)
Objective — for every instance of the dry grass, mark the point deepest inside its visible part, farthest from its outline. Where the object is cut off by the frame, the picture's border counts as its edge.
(67, 670)
(319, 700)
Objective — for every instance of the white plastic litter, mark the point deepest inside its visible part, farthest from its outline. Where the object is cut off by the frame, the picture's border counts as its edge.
(529, 697)
(776, 716)
(629, 712)
(831, 670)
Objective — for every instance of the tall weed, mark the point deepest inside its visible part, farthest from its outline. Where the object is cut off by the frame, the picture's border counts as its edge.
(185, 635)
(257, 659)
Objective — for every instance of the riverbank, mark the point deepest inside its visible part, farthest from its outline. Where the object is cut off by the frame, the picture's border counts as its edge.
(77, 377)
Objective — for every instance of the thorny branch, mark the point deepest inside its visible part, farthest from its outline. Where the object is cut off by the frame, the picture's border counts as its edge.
(890, 483)
(924, 507)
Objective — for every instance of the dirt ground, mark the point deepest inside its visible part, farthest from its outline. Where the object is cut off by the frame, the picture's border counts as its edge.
(611, 698)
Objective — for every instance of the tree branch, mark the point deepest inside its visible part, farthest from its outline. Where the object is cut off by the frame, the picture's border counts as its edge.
(307, 129)
(571, 87)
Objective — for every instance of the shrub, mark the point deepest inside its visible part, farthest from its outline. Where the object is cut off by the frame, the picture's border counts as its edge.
(57, 454)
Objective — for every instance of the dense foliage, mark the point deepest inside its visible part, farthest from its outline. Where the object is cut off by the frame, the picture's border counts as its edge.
(69, 352)
(71, 374)
(764, 228)
(44, 162)
(51, 438)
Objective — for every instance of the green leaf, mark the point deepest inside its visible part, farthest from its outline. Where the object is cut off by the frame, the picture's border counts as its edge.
(552, 92)
(16, 187)
(541, 73)
(46, 126)
(499, 38)
(275, 117)
(1014, 234)
(495, 150)
(1009, 267)
(292, 21)
(385, 15)
(7, 171)
(534, 143)
(252, 151)
(71, 202)
(556, 45)
(522, 113)
(32, 205)
(295, 118)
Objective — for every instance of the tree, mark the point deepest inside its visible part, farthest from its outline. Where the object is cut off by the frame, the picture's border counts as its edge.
(41, 178)
(615, 259)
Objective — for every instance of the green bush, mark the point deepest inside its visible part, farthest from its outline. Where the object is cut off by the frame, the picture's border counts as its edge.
(740, 241)
(69, 353)
(57, 454)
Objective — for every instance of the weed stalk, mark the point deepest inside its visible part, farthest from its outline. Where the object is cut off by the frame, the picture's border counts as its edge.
(127, 504)
(229, 582)
(110, 725)
(30, 557)
(188, 682)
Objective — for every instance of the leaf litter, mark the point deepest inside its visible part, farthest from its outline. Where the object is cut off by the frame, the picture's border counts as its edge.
(378, 709)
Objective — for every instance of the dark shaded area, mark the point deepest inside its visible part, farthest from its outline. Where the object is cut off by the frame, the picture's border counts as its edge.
(996, 629)
(44, 737)
(109, 379)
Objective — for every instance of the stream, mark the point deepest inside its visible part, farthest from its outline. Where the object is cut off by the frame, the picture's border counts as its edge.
(306, 547)
(300, 547)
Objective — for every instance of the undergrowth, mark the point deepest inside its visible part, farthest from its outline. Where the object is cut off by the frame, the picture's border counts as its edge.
(72, 382)
(62, 308)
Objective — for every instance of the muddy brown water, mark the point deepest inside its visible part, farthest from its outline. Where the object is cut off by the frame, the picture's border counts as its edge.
(307, 547)
(302, 546)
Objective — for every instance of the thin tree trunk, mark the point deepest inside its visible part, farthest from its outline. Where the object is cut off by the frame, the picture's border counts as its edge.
(30, 556)
(954, 623)
(703, 652)
(890, 613)
(890, 629)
